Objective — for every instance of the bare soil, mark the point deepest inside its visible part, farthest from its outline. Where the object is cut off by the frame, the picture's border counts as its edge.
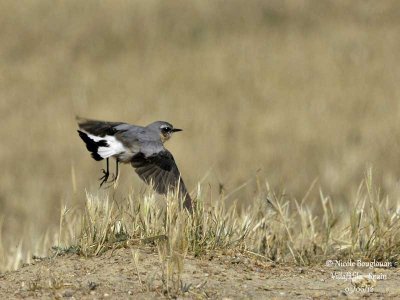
(114, 275)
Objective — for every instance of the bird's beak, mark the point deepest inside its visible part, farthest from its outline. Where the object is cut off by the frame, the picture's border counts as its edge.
(176, 130)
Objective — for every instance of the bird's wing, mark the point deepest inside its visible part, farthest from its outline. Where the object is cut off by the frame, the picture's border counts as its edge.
(161, 170)
(99, 128)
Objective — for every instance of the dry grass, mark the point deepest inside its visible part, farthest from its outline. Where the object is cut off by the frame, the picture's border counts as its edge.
(278, 229)
(305, 91)
(272, 229)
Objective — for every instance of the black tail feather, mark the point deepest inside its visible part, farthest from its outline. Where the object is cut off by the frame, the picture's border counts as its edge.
(93, 146)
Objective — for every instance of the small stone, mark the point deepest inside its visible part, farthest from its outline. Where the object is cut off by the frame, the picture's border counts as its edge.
(68, 293)
(92, 285)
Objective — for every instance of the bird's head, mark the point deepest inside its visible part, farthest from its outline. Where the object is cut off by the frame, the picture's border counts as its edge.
(164, 129)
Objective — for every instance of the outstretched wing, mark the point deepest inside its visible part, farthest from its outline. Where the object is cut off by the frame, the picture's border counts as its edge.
(161, 170)
(98, 128)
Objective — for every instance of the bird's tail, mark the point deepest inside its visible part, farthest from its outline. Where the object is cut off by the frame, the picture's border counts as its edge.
(92, 145)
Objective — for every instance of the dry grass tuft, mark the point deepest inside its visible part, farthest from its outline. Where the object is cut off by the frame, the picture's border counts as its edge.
(272, 228)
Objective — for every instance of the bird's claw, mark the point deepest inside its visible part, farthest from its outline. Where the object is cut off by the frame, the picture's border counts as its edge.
(106, 175)
(114, 178)
(113, 181)
(104, 178)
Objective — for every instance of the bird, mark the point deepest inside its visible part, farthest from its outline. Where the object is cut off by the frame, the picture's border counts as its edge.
(140, 146)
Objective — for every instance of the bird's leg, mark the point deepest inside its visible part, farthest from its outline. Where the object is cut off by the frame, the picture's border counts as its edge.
(106, 174)
(116, 170)
(115, 176)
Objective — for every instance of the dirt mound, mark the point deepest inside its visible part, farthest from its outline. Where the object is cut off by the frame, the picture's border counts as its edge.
(117, 274)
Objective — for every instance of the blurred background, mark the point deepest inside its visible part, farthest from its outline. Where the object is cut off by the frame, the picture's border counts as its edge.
(290, 91)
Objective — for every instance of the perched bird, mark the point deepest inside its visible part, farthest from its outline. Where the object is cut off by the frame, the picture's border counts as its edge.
(142, 147)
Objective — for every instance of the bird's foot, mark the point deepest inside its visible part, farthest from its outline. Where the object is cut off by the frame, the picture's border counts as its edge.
(105, 176)
(113, 182)
(114, 177)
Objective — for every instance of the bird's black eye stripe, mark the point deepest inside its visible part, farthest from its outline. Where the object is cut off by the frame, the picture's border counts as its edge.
(166, 129)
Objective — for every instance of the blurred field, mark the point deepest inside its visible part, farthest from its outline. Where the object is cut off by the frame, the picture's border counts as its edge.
(299, 90)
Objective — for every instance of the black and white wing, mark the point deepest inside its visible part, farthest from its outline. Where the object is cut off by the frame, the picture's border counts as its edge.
(161, 170)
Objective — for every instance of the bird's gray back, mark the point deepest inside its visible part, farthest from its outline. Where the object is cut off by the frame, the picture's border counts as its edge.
(134, 138)
(139, 139)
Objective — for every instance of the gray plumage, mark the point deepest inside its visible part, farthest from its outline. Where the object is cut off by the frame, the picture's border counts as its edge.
(142, 147)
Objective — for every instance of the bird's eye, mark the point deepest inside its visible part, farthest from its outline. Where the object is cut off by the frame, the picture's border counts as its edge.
(166, 129)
